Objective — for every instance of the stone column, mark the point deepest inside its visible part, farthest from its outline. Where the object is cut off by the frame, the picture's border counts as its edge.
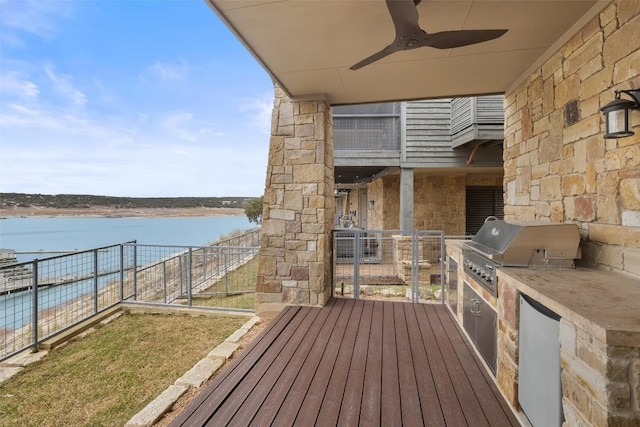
(295, 265)
(406, 200)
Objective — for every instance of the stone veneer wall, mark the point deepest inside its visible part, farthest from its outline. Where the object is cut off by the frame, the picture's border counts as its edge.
(385, 192)
(391, 203)
(439, 201)
(559, 168)
(507, 358)
(557, 165)
(613, 398)
(295, 263)
(375, 192)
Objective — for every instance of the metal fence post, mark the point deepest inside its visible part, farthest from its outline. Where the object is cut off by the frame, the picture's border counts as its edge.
(356, 264)
(189, 273)
(95, 281)
(415, 267)
(121, 273)
(226, 273)
(442, 262)
(135, 272)
(164, 280)
(205, 263)
(34, 308)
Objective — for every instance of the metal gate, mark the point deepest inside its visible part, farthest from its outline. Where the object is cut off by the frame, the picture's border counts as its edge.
(388, 265)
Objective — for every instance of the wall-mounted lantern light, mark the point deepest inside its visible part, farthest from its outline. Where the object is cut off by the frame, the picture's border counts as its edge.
(616, 114)
(371, 203)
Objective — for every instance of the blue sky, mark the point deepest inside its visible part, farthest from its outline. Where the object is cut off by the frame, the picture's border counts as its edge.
(129, 98)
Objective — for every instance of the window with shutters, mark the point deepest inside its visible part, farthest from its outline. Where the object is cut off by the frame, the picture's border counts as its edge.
(367, 127)
(481, 203)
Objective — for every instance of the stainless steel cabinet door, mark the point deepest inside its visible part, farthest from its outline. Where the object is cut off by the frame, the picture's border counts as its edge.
(481, 323)
(539, 383)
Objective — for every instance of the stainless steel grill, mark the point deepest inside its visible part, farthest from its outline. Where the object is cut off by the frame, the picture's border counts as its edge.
(525, 244)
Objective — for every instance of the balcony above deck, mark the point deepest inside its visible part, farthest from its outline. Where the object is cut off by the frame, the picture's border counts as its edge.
(437, 134)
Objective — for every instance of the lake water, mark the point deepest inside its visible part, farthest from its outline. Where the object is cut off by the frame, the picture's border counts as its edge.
(79, 233)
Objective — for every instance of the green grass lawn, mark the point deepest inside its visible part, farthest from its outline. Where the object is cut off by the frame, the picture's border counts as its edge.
(240, 286)
(108, 376)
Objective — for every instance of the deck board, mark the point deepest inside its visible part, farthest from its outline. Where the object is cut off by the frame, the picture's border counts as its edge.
(207, 402)
(273, 401)
(467, 398)
(390, 414)
(267, 377)
(431, 411)
(494, 407)
(330, 409)
(316, 394)
(243, 393)
(291, 406)
(449, 404)
(352, 362)
(370, 411)
(352, 399)
(409, 394)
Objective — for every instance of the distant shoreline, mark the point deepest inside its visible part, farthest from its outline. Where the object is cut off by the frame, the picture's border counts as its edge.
(110, 212)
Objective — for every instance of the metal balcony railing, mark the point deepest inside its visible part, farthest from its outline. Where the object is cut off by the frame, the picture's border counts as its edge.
(45, 297)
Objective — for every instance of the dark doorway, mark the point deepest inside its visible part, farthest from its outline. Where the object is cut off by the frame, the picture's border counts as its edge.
(481, 203)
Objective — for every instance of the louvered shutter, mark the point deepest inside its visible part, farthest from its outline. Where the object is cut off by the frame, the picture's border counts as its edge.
(481, 203)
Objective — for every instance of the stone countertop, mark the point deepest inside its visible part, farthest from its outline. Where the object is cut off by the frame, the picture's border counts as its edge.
(456, 244)
(603, 303)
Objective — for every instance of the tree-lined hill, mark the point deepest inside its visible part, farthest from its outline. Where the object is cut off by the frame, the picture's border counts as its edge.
(79, 201)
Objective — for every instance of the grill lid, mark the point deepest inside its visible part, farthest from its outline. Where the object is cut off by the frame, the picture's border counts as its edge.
(519, 244)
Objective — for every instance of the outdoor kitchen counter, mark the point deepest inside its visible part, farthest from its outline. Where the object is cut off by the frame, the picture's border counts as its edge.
(603, 303)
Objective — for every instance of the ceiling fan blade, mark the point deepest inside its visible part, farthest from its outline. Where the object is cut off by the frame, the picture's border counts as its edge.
(409, 35)
(404, 15)
(459, 38)
(392, 48)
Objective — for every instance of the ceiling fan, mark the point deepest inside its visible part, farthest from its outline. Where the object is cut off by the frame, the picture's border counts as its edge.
(409, 35)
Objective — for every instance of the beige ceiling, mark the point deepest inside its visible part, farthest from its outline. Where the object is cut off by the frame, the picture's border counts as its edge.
(307, 46)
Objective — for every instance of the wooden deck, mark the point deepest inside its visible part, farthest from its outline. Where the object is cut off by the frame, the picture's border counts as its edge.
(368, 363)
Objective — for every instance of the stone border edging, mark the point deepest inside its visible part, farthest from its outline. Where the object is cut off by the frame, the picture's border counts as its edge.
(193, 378)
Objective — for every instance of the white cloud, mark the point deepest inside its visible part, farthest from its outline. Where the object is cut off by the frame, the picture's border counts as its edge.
(169, 71)
(63, 85)
(259, 110)
(183, 126)
(35, 17)
(11, 83)
(160, 167)
(105, 95)
(87, 126)
(20, 122)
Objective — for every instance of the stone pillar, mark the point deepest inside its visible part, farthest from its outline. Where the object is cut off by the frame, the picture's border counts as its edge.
(294, 264)
(406, 200)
